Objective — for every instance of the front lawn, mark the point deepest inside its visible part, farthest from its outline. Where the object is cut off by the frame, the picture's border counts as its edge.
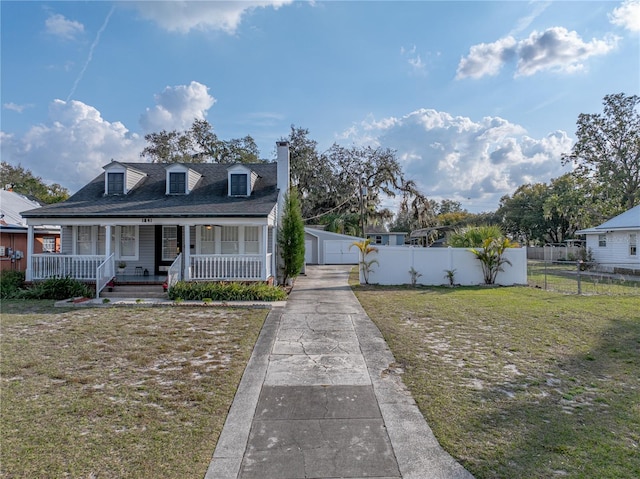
(519, 382)
(117, 392)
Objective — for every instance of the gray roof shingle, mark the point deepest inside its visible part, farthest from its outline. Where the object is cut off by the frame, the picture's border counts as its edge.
(148, 199)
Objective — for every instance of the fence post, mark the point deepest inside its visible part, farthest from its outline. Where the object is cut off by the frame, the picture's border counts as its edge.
(578, 264)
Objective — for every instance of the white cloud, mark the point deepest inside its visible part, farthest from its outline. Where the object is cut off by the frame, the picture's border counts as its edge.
(15, 107)
(560, 50)
(627, 15)
(555, 49)
(459, 158)
(177, 107)
(59, 26)
(487, 58)
(183, 16)
(71, 148)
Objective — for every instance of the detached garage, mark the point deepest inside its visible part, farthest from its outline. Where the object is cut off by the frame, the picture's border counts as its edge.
(323, 247)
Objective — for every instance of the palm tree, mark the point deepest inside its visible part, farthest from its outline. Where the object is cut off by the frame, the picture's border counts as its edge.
(488, 243)
(365, 249)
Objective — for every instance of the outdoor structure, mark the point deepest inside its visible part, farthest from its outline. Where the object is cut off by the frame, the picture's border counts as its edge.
(324, 247)
(13, 232)
(386, 238)
(192, 221)
(614, 244)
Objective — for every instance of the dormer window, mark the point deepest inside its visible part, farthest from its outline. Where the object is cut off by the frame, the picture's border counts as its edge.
(177, 183)
(115, 183)
(120, 178)
(238, 184)
(180, 179)
(240, 180)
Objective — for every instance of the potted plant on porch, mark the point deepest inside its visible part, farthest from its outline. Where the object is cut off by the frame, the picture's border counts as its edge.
(121, 267)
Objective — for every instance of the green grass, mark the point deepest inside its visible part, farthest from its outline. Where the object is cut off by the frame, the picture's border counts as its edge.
(520, 382)
(117, 392)
(563, 277)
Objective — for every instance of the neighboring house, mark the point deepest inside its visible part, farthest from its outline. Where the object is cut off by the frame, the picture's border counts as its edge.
(324, 247)
(13, 232)
(192, 221)
(385, 238)
(430, 237)
(614, 243)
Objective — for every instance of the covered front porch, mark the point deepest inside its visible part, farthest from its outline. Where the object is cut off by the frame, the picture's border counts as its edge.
(142, 252)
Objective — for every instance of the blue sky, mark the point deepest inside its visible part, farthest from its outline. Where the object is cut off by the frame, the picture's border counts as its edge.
(477, 97)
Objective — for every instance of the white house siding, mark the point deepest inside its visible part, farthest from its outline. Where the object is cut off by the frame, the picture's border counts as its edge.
(132, 178)
(66, 240)
(616, 253)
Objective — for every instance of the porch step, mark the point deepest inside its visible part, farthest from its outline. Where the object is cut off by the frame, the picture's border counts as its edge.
(134, 291)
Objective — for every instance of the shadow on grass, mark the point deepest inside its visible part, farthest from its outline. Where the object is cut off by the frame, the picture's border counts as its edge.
(33, 306)
(585, 422)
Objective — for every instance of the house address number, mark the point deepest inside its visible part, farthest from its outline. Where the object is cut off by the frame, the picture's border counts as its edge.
(147, 220)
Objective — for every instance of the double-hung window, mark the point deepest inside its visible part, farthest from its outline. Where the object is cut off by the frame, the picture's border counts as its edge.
(602, 241)
(229, 240)
(238, 184)
(49, 244)
(84, 240)
(633, 244)
(177, 183)
(169, 243)
(251, 240)
(207, 239)
(128, 242)
(115, 183)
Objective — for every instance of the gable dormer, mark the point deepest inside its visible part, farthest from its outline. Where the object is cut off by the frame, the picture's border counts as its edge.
(120, 179)
(181, 179)
(240, 180)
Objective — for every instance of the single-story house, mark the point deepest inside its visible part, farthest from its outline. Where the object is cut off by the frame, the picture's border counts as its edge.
(387, 238)
(13, 232)
(192, 221)
(614, 244)
(324, 247)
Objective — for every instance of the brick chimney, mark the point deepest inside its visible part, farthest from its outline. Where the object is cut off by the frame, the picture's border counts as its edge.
(284, 173)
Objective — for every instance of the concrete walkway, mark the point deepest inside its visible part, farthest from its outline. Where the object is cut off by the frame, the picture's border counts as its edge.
(320, 399)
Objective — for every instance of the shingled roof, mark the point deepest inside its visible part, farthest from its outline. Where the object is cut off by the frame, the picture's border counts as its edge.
(209, 198)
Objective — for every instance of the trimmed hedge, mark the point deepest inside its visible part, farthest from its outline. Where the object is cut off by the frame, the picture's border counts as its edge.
(225, 291)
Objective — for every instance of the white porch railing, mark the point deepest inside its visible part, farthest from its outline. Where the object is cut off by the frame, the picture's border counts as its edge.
(224, 267)
(105, 273)
(174, 274)
(45, 266)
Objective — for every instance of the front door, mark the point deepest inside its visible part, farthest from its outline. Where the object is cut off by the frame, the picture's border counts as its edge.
(168, 246)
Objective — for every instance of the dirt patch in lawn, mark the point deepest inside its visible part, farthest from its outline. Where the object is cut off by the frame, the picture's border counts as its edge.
(519, 382)
(118, 392)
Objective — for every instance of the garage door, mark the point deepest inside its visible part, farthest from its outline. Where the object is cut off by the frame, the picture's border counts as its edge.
(338, 252)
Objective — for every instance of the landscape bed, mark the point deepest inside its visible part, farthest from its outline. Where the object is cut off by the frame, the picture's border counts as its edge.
(115, 392)
(520, 382)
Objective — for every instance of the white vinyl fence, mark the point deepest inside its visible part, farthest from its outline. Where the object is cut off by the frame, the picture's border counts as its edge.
(395, 262)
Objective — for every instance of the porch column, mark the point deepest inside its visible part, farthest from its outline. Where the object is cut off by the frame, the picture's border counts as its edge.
(107, 241)
(275, 253)
(186, 252)
(28, 276)
(265, 249)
